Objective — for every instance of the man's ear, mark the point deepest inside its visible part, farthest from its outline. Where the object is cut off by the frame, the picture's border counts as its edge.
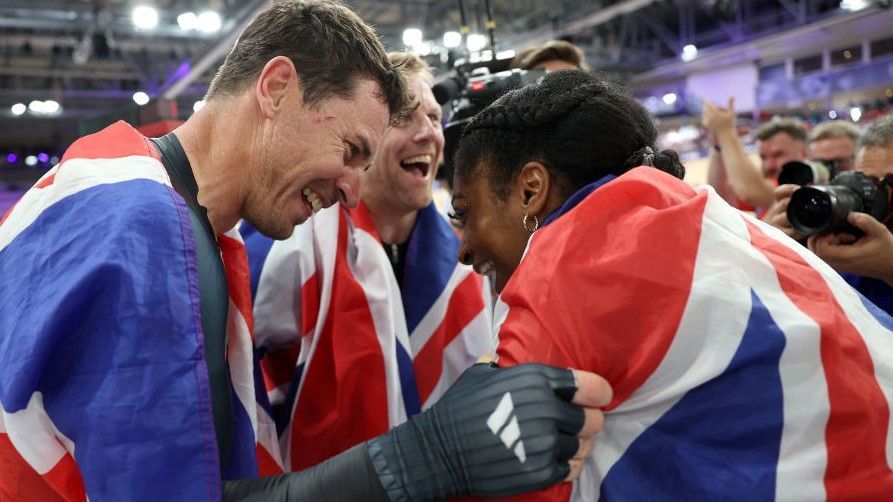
(276, 81)
(534, 185)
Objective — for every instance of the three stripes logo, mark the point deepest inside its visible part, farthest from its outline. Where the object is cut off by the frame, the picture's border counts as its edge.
(504, 425)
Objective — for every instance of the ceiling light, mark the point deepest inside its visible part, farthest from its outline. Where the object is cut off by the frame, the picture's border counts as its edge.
(853, 5)
(51, 107)
(187, 21)
(18, 109)
(476, 42)
(144, 17)
(140, 98)
(209, 22)
(412, 37)
(452, 39)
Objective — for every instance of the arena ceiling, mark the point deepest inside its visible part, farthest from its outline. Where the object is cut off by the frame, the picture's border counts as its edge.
(90, 57)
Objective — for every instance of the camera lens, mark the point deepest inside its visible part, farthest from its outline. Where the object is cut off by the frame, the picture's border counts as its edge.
(796, 173)
(814, 210)
(822, 208)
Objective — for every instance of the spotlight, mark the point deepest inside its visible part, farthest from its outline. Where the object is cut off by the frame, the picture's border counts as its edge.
(18, 109)
(31, 160)
(475, 42)
(669, 98)
(689, 52)
(187, 21)
(452, 39)
(209, 22)
(140, 98)
(412, 37)
(144, 17)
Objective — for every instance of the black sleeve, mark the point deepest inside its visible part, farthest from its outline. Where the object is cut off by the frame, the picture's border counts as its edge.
(496, 432)
(347, 476)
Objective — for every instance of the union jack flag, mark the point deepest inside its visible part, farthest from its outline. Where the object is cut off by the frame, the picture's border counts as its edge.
(103, 384)
(359, 353)
(743, 367)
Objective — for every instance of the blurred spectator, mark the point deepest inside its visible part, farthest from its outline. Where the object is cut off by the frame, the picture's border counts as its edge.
(731, 172)
(553, 55)
(834, 143)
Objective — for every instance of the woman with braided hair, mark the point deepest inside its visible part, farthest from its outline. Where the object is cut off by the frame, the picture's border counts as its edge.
(742, 366)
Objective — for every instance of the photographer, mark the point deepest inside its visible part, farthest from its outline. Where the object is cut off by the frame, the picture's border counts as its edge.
(865, 261)
(871, 255)
(833, 143)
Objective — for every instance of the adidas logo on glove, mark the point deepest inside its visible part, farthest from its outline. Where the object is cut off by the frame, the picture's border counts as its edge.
(503, 418)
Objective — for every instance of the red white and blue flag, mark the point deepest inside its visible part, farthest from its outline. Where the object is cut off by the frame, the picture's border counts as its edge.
(358, 352)
(104, 389)
(743, 367)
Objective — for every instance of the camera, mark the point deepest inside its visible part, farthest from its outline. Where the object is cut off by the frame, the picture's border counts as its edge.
(807, 172)
(469, 91)
(822, 209)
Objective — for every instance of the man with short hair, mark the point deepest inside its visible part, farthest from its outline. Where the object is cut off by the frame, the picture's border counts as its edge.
(413, 342)
(833, 143)
(732, 174)
(125, 319)
(867, 262)
(553, 55)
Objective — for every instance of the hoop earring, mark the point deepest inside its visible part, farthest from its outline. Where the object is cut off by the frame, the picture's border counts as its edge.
(526, 224)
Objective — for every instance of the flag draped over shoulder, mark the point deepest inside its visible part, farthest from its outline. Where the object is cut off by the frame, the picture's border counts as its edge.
(104, 390)
(743, 367)
(358, 353)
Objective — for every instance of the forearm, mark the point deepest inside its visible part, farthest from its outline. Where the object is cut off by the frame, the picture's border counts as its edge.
(717, 177)
(347, 476)
(744, 177)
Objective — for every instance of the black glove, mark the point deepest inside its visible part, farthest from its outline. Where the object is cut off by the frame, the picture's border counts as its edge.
(496, 432)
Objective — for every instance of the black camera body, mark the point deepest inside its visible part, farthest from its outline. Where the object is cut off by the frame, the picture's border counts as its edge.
(468, 92)
(807, 172)
(822, 209)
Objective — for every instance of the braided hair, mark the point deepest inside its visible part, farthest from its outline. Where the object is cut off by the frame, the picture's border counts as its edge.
(579, 127)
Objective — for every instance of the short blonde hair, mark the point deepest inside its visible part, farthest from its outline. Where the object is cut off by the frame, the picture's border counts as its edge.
(409, 64)
(835, 129)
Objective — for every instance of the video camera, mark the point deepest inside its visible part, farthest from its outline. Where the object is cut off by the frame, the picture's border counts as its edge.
(470, 90)
(822, 209)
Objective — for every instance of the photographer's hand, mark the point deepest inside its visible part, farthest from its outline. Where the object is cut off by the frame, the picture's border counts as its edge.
(871, 255)
(777, 215)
